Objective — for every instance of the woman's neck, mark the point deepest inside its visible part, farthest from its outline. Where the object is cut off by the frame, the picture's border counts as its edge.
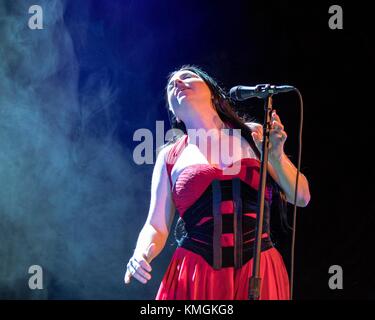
(206, 122)
(210, 124)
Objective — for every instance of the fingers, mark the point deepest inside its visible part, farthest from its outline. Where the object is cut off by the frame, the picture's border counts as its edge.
(276, 125)
(139, 266)
(137, 270)
(275, 116)
(276, 122)
(277, 128)
(145, 265)
(142, 268)
(276, 134)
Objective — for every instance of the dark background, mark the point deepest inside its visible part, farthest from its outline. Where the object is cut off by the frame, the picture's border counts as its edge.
(74, 93)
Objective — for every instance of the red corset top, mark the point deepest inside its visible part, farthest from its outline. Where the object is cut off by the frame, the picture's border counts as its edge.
(194, 179)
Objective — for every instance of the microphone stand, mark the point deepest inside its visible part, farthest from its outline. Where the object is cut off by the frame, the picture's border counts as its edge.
(255, 280)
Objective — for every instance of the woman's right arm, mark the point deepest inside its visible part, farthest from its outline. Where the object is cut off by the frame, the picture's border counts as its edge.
(155, 231)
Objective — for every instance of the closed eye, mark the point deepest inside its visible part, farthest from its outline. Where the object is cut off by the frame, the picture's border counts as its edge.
(187, 75)
(183, 76)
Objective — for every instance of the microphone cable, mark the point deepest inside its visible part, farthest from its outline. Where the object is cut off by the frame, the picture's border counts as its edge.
(295, 194)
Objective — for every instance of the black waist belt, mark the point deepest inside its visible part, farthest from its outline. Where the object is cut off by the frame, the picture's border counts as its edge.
(204, 239)
(227, 254)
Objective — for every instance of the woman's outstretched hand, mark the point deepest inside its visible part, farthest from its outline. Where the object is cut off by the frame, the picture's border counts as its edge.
(277, 137)
(139, 266)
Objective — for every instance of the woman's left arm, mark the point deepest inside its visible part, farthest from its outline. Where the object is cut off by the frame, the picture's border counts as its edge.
(280, 167)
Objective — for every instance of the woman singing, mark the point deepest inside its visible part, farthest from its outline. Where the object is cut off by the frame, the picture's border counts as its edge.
(216, 204)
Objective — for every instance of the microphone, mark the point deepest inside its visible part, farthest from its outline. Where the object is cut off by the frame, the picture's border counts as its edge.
(261, 91)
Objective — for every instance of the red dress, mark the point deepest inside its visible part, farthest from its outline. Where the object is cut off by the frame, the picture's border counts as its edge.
(191, 275)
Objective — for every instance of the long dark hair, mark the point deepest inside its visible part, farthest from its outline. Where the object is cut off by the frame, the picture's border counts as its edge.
(223, 105)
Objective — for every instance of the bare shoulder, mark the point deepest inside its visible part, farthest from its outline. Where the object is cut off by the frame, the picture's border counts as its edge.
(160, 168)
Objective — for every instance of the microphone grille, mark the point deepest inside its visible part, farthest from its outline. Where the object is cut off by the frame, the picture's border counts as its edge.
(233, 93)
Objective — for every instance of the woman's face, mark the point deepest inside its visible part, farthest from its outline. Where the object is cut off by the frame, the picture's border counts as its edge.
(186, 90)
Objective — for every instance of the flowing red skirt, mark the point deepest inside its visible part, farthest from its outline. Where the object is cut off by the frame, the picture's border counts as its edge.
(190, 277)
